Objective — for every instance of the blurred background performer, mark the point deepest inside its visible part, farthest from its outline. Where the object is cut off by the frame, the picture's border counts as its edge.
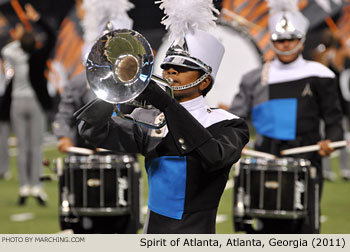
(30, 100)
(188, 160)
(5, 102)
(331, 53)
(287, 98)
(101, 16)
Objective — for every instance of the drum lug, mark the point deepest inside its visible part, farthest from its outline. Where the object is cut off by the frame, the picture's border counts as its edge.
(65, 206)
(240, 203)
(313, 172)
(58, 166)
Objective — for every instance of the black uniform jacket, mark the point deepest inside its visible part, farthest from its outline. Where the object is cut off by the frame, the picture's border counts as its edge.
(187, 162)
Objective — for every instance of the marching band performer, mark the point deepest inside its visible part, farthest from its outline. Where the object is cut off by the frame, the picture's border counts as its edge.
(287, 98)
(30, 101)
(188, 160)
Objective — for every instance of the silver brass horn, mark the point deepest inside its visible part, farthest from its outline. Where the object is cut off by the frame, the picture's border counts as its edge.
(119, 68)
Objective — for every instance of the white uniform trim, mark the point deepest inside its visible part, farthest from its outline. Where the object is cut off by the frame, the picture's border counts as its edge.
(298, 69)
(204, 114)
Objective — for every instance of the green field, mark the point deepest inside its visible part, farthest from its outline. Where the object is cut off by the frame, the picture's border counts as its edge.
(335, 206)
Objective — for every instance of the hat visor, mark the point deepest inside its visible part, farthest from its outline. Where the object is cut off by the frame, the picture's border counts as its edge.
(281, 36)
(177, 60)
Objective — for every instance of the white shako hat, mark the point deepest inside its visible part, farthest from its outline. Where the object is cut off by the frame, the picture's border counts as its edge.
(102, 16)
(286, 21)
(192, 45)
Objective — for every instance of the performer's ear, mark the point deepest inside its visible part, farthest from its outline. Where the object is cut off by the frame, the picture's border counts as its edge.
(205, 83)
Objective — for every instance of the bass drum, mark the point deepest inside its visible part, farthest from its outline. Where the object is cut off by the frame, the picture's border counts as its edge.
(241, 55)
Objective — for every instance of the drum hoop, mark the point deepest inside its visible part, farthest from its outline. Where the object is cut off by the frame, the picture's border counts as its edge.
(99, 211)
(100, 159)
(275, 169)
(92, 167)
(284, 162)
(282, 214)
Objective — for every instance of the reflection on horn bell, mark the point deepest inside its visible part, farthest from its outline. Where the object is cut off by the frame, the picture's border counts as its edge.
(119, 68)
(126, 68)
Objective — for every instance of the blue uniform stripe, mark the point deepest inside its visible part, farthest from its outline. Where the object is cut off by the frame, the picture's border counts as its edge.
(167, 185)
(276, 118)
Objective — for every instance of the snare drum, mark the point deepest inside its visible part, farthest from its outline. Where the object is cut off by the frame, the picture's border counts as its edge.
(272, 188)
(96, 185)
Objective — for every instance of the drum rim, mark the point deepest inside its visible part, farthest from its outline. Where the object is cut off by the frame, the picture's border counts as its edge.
(99, 159)
(93, 211)
(283, 214)
(283, 161)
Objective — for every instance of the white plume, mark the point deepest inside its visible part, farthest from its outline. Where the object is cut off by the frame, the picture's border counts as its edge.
(98, 12)
(282, 5)
(184, 16)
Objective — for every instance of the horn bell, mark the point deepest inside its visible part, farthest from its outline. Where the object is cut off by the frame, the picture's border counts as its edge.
(119, 66)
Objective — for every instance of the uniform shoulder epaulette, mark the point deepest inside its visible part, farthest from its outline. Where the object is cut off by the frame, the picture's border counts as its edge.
(221, 114)
(319, 70)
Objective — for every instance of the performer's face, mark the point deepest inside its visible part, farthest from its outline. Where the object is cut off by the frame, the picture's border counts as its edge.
(285, 46)
(182, 76)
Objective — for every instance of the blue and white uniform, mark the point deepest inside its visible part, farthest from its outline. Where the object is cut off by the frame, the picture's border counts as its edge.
(187, 162)
(291, 102)
(286, 103)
